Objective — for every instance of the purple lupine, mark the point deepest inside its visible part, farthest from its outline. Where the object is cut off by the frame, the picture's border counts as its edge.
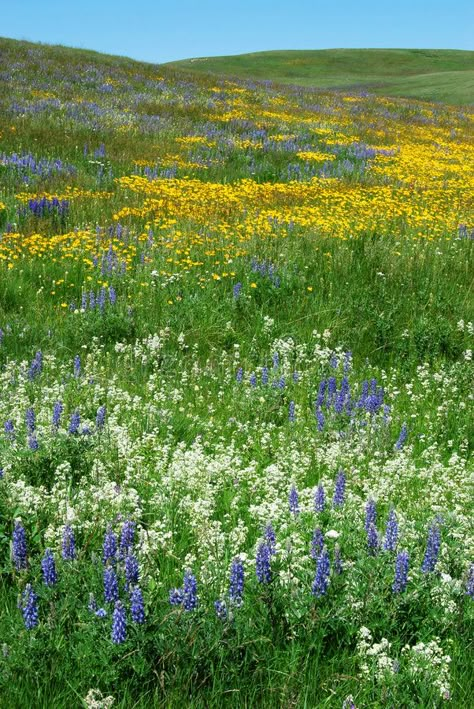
(68, 544)
(221, 609)
(101, 300)
(402, 437)
(317, 543)
(270, 538)
(470, 581)
(319, 499)
(110, 585)
(131, 570)
(48, 567)
(347, 362)
(240, 375)
(112, 295)
(338, 564)
(36, 366)
(293, 501)
(432, 549)
(321, 394)
(341, 396)
(33, 444)
(30, 420)
(119, 624)
(320, 420)
(57, 412)
(190, 599)
(137, 607)
(236, 290)
(339, 490)
(253, 380)
(236, 582)
(127, 537)
(100, 418)
(373, 541)
(19, 553)
(2, 473)
(74, 423)
(401, 572)
(391, 532)
(291, 412)
(331, 390)
(275, 360)
(29, 607)
(77, 366)
(176, 596)
(321, 579)
(9, 429)
(109, 547)
(264, 375)
(370, 514)
(92, 605)
(101, 613)
(262, 564)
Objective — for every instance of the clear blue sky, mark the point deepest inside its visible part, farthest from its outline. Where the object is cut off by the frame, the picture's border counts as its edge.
(162, 30)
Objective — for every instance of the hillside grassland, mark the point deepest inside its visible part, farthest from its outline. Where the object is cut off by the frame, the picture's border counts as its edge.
(236, 370)
(429, 74)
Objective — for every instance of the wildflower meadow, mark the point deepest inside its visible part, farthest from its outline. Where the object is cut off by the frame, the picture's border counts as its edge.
(237, 388)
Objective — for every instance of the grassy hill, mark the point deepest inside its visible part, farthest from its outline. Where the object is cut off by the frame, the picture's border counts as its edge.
(429, 74)
(432, 74)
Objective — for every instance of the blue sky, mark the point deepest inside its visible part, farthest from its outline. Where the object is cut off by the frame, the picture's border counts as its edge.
(163, 31)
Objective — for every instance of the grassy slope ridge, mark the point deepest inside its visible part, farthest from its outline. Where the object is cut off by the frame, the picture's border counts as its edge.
(435, 74)
(429, 74)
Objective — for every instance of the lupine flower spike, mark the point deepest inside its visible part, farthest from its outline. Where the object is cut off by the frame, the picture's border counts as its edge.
(48, 567)
(340, 489)
(432, 549)
(401, 572)
(29, 607)
(119, 624)
(321, 580)
(236, 585)
(19, 547)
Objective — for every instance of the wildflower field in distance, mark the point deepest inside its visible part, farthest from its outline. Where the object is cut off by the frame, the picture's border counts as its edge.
(236, 408)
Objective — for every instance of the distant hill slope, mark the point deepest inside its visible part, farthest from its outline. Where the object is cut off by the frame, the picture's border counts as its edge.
(432, 74)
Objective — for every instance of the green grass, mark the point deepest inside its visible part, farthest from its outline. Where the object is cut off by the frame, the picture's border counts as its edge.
(431, 74)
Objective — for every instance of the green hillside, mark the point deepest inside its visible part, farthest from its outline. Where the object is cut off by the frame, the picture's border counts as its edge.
(432, 74)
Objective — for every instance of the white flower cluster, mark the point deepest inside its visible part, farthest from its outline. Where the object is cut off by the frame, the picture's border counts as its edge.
(429, 661)
(96, 700)
(375, 658)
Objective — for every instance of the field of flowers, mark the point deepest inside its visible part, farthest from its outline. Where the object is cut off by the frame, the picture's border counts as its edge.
(237, 391)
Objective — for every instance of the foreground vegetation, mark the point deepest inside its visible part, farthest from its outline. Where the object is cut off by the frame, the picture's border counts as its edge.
(236, 334)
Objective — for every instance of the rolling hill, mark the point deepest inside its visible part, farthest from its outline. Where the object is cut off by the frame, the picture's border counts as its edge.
(430, 74)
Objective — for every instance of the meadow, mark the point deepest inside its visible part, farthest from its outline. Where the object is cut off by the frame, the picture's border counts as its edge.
(236, 410)
(432, 74)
